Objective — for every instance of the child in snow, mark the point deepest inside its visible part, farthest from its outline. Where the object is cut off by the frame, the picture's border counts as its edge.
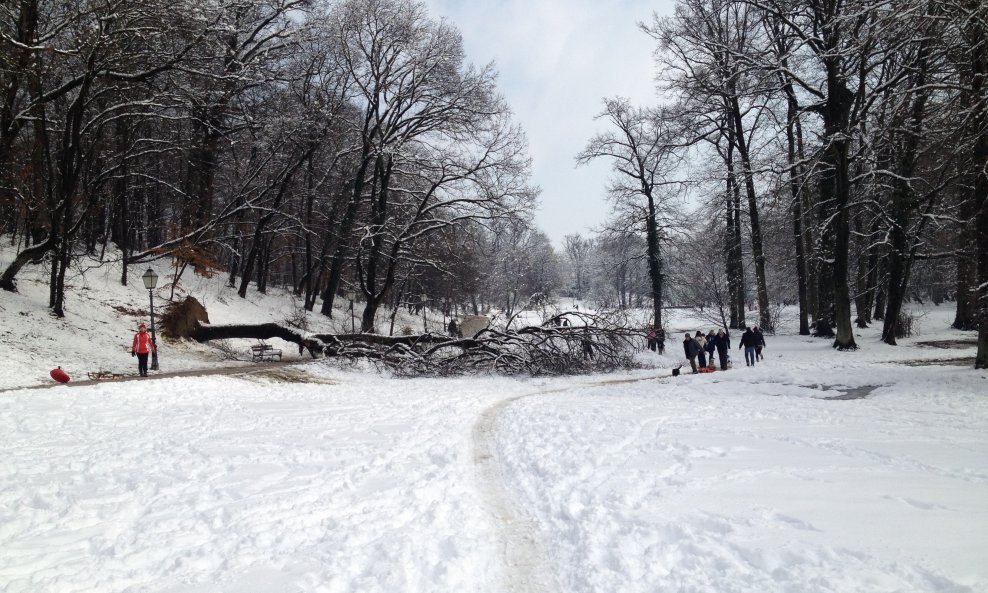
(142, 346)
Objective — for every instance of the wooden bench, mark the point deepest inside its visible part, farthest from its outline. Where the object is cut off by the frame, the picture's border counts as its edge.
(262, 351)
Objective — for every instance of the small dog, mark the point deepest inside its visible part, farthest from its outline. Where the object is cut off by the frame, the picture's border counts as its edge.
(675, 371)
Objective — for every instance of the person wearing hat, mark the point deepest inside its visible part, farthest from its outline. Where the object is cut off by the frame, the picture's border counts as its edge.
(142, 346)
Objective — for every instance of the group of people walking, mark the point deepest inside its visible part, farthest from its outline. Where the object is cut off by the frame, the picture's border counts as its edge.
(701, 348)
(752, 341)
(655, 338)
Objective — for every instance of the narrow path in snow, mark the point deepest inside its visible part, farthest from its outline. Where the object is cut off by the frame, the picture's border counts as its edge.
(247, 369)
(523, 556)
(524, 559)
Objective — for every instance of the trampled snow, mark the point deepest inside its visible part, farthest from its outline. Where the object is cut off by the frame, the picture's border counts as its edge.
(321, 478)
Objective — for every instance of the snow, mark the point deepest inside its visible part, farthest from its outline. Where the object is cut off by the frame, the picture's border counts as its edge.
(102, 317)
(716, 485)
(322, 478)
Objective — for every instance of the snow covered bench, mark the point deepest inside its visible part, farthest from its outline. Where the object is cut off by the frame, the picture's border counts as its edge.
(262, 351)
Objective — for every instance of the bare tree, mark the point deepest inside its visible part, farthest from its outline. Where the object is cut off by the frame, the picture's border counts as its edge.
(578, 249)
(641, 148)
(701, 47)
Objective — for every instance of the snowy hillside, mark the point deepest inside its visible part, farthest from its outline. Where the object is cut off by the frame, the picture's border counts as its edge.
(102, 316)
(814, 472)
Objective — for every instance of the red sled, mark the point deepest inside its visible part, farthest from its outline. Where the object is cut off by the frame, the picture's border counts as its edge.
(59, 375)
(706, 369)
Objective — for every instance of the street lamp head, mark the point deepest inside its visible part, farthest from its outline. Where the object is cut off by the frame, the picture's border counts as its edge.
(150, 279)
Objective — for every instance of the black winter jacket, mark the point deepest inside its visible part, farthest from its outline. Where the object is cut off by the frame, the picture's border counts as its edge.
(723, 343)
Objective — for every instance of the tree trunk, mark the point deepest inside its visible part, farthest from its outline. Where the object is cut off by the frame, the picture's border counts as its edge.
(31, 254)
(810, 257)
(305, 286)
(861, 304)
(60, 265)
(123, 227)
(312, 287)
(654, 260)
(369, 274)
(235, 260)
(871, 279)
(201, 170)
(978, 123)
(796, 194)
(329, 240)
(981, 192)
(255, 247)
(282, 186)
(761, 289)
(732, 241)
(342, 236)
(900, 256)
(842, 294)
(835, 192)
(966, 316)
(265, 266)
(881, 289)
(898, 280)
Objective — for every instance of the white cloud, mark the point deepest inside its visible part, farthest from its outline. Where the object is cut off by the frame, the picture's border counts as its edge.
(557, 60)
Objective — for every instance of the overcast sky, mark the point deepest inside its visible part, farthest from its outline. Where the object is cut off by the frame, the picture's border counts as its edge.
(557, 60)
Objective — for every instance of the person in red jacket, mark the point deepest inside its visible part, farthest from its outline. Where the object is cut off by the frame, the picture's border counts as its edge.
(141, 348)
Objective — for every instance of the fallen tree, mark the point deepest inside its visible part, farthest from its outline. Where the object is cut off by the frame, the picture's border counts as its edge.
(568, 343)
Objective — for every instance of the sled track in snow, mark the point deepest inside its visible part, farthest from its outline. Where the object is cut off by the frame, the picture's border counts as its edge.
(251, 369)
(524, 560)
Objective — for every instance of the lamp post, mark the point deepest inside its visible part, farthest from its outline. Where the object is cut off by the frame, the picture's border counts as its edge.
(425, 328)
(150, 281)
(351, 296)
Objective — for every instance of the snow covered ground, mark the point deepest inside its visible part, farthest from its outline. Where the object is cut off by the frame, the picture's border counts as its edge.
(318, 478)
(102, 317)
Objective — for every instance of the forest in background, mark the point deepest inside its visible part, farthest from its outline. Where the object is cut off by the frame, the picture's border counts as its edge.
(830, 154)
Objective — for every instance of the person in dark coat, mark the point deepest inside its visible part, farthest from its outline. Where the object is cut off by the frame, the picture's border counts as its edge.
(748, 343)
(587, 345)
(711, 347)
(759, 343)
(723, 346)
(660, 340)
(453, 329)
(691, 348)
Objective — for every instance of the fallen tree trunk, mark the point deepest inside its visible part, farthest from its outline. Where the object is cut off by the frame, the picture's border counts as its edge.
(264, 331)
(591, 343)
